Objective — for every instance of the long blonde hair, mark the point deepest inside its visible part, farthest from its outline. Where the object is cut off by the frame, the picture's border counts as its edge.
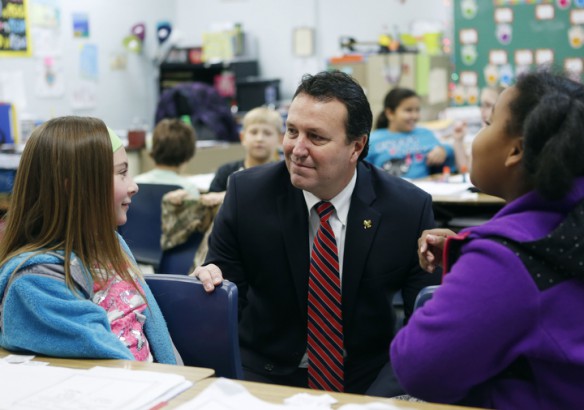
(63, 198)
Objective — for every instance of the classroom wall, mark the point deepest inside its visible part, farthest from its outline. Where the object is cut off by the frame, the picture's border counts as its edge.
(122, 96)
(125, 96)
(269, 25)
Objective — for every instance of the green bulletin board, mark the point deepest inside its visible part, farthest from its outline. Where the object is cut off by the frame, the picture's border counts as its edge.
(14, 38)
(495, 40)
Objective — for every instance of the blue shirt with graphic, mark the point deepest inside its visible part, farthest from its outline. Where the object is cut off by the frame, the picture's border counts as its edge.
(404, 153)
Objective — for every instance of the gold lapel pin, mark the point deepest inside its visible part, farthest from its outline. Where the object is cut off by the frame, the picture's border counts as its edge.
(367, 223)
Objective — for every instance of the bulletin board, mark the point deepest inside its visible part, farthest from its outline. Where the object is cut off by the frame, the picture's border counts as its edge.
(496, 40)
(14, 30)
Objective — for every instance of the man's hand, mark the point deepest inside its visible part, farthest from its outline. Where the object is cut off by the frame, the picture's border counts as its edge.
(430, 247)
(210, 275)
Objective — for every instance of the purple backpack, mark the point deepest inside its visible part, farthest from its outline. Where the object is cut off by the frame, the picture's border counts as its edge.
(209, 112)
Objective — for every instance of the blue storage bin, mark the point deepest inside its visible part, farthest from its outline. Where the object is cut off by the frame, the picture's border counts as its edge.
(7, 179)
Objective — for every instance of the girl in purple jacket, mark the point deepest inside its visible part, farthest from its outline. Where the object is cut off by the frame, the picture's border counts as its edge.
(505, 330)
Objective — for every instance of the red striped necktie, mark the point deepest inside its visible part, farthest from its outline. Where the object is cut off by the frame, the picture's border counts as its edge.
(325, 326)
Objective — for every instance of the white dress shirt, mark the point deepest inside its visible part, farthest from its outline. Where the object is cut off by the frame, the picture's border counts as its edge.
(338, 220)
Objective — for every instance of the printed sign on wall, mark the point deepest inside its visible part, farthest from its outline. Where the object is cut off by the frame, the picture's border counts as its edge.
(14, 37)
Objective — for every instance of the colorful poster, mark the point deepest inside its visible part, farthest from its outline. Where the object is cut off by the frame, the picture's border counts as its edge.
(80, 25)
(14, 36)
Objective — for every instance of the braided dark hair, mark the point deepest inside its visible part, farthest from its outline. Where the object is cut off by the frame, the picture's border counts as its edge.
(548, 111)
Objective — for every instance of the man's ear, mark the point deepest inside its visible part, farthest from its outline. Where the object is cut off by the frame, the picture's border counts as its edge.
(515, 154)
(241, 134)
(359, 146)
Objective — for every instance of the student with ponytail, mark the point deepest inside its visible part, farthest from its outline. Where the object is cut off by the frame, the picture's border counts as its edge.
(402, 148)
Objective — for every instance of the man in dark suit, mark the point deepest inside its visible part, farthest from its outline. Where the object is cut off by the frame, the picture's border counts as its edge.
(264, 231)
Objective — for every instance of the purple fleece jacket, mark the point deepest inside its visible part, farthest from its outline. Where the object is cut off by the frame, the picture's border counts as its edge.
(489, 312)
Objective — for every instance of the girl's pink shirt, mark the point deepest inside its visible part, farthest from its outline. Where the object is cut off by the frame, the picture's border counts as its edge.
(125, 311)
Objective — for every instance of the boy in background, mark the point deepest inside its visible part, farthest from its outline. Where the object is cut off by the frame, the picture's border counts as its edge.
(261, 136)
(173, 144)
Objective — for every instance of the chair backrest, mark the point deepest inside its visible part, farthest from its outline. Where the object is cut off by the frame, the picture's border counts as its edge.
(424, 296)
(203, 326)
(143, 229)
(179, 260)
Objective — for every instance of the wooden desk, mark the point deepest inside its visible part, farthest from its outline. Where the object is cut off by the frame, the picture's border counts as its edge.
(193, 374)
(456, 216)
(201, 379)
(276, 394)
(455, 207)
(479, 200)
(433, 186)
(457, 213)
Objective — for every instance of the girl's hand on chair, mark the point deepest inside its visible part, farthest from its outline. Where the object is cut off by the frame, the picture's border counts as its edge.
(177, 196)
(430, 247)
(212, 198)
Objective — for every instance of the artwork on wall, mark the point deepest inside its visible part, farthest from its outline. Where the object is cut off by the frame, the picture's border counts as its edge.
(497, 40)
(80, 25)
(49, 81)
(14, 30)
(303, 42)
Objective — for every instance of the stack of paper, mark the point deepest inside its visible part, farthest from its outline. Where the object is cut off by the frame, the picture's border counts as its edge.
(25, 386)
(443, 188)
(224, 394)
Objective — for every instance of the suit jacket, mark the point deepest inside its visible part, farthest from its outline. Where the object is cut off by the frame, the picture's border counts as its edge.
(260, 241)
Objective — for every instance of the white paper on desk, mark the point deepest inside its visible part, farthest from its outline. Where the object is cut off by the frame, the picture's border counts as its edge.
(224, 394)
(202, 181)
(160, 387)
(19, 381)
(98, 388)
(371, 406)
(443, 188)
(17, 358)
(304, 400)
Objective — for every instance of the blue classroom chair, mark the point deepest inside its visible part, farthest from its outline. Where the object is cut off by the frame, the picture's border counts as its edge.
(203, 326)
(179, 260)
(425, 295)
